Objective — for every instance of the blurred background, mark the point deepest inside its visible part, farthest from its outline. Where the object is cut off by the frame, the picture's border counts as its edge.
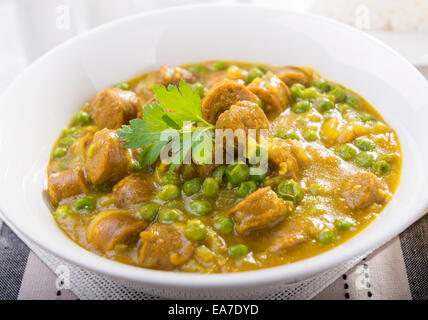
(29, 28)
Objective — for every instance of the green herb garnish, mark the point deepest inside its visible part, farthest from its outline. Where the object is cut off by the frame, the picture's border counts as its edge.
(172, 119)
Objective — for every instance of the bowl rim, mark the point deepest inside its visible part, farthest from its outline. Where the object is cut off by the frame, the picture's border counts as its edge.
(289, 273)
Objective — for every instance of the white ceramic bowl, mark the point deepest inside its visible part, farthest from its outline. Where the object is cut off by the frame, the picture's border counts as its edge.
(41, 101)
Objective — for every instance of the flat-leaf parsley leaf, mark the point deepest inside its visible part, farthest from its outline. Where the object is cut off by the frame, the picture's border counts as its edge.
(176, 107)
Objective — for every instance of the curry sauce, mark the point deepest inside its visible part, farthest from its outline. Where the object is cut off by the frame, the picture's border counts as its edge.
(333, 165)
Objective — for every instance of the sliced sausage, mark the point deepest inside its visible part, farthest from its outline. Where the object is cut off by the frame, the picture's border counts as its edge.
(291, 75)
(164, 247)
(136, 188)
(289, 235)
(261, 209)
(287, 156)
(111, 108)
(172, 75)
(243, 115)
(112, 227)
(107, 159)
(80, 147)
(272, 92)
(219, 99)
(66, 184)
(363, 189)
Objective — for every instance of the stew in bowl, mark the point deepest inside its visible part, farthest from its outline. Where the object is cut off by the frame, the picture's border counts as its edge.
(145, 173)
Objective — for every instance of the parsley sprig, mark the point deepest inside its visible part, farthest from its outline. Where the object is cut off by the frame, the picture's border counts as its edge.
(177, 107)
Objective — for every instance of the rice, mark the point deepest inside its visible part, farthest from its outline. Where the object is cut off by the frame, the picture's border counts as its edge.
(377, 15)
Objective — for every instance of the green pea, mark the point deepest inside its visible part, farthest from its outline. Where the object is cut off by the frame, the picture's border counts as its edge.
(148, 211)
(62, 211)
(325, 104)
(195, 230)
(171, 179)
(289, 134)
(59, 152)
(257, 176)
(218, 173)
(290, 190)
(82, 117)
(261, 68)
(311, 136)
(224, 225)
(326, 236)
(122, 85)
(246, 188)
(219, 65)
(390, 158)
(66, 141)
(321, 84)
(364, 117)
(364, 159)
(310, 93)
(381, 167)
(200, 207)
(168, 192)
(332, 113)
(364, 144)
(199, 89)
(343, 225)
(188, 172)
(238, 250)
(192, 186)
(296, 90)
(72, 131)
(347, 151)
(302, 106)
(353, 100)
(339, 94)
(84, 204)
(237, 173)
(226, 198)
(343, 107)
(196, 68)
(210, 188)
(253, 73)
(169, 216)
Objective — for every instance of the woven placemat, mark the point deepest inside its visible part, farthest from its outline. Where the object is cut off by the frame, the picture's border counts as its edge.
(92, 286)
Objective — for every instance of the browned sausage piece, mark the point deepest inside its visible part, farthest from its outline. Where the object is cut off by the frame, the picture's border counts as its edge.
(164, 247)
(363, 189)
(172, 75)
(291, 75)
(289, 235)
(287, 156)
(66, 184)
(112, 227)
(219, 99)
(107, 159)
(243, 115)
(113, 107)
(136, 188)
(272, 92)
(261, 209)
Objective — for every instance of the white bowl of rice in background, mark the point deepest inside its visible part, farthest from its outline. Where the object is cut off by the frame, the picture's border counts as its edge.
(402, 24)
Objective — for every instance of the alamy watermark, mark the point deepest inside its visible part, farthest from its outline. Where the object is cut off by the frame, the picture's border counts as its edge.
(219, 146)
